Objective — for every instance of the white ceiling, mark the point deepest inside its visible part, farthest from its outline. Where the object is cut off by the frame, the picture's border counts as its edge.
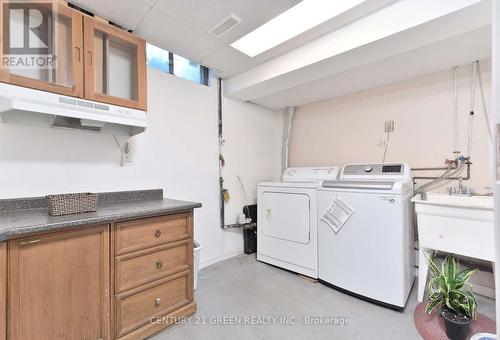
(406, 40)
(181, 26)
(459, 50)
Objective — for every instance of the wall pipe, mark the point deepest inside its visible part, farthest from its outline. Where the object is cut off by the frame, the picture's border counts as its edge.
(471, 109)
(290, 115)
(455, 113)
(483, 100)
(467, 176)
(453, 167)
(221, 141)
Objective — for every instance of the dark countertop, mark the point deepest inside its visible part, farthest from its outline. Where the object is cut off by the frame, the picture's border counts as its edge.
(25, 221)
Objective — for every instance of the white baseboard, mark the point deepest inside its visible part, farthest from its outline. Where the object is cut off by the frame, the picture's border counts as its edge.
(227, 255)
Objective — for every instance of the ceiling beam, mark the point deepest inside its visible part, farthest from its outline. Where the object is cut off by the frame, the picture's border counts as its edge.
(405, 26)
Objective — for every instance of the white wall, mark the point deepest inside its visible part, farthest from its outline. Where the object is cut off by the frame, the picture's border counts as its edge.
(348, 129)
(178, 152)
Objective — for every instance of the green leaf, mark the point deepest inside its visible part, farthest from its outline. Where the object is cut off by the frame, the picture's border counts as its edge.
(465, 274)
(433, 285)
(433, 302)
(449, 267)
(432, 265)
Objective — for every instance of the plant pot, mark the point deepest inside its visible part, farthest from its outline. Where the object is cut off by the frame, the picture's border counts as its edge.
(457, 326)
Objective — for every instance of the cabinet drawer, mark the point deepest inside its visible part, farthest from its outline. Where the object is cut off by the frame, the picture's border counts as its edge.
(149, 232)
(134, 269)
(136, 308)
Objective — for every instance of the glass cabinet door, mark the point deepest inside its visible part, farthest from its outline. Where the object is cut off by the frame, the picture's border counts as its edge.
(115, 65)
(42, 47)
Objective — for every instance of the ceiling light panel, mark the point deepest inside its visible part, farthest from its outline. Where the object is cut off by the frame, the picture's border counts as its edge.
(296, 20)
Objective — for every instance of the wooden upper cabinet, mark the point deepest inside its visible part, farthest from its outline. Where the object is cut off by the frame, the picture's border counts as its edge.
(93, 59)
(64, 74)
(59, 286)
(115, 65)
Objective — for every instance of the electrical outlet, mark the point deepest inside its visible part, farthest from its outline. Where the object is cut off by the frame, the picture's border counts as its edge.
(389, 126)
(128, 152)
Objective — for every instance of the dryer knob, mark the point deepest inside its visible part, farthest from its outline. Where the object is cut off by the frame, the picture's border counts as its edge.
(291, 172)
(368, 169)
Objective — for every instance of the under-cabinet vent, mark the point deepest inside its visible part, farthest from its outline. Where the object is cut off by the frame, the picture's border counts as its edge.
(90, 105)
(225, 25)
(22, 105)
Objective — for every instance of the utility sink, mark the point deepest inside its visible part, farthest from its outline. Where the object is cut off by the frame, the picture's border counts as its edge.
(456, 201)
(461, 225)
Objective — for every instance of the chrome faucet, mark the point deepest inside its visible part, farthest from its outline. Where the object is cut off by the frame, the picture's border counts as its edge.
(461, 190)
(423, 195)
(460, 185)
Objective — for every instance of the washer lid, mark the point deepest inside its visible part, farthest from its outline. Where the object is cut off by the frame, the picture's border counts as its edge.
(374, 186)
(310, 174)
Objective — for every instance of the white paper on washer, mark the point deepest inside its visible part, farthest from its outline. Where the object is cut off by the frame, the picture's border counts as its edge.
(337, 214)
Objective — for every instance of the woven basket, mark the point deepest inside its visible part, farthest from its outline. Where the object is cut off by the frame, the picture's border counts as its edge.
(65, 204)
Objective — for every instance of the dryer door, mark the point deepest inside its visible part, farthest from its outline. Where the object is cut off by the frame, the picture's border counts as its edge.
(287, 216)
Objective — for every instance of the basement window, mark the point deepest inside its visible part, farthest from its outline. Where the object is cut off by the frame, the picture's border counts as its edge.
(174, 64)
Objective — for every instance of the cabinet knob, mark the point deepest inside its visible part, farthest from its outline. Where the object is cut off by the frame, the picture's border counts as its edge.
(158, 233)
(157, 302)
(159, 264)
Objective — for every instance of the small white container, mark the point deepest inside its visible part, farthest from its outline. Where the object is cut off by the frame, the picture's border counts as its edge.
(483, 336)
(197, 250)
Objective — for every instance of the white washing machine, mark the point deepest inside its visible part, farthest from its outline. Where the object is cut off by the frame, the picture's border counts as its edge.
(287, 219)
(371, 254)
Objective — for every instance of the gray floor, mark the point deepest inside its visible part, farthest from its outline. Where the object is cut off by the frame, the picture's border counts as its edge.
(241, 287)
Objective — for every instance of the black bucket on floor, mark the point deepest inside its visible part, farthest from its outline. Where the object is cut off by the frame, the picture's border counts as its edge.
(250, 231)
(250, 239)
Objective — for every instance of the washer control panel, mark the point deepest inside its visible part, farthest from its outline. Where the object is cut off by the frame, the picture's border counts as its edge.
(392, 171)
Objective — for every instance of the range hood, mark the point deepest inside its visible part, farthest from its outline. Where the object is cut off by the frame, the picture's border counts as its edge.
(21, 105)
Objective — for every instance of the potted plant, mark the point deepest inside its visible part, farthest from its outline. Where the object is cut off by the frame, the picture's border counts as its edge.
(449, 289)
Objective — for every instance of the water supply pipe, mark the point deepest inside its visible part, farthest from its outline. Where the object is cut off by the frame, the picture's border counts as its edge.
(288, 134)
(220, 136)
(455, 113)
(467, 165)
(483, 100)
(471, 108)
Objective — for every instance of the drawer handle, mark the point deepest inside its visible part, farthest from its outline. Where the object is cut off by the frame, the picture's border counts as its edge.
(158, 233)
(157, 302)
(29, 242)
(159, 264)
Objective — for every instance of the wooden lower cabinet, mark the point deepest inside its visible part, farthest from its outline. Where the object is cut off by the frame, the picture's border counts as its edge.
(58, 286)
(86, 284)
(153, 274)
